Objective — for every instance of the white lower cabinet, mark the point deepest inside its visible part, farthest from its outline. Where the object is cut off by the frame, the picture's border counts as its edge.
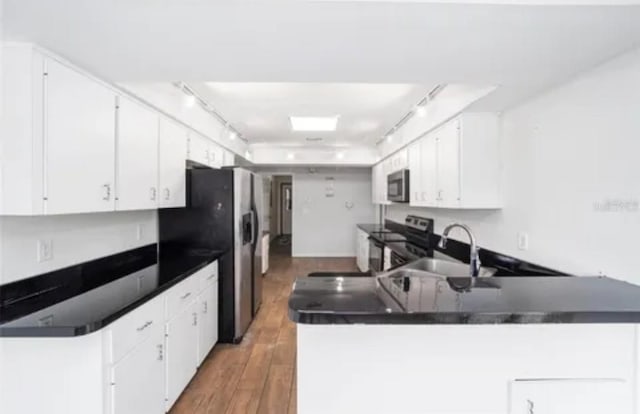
(138, 364)
(139, 378)
(362, 250)
(208, 321)
(567, 396)
(181, 351)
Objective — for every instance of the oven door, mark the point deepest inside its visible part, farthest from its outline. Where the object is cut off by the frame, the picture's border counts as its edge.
(398, 186)
(376, 256)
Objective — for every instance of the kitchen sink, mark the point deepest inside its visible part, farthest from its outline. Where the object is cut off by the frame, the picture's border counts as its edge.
(444, 268)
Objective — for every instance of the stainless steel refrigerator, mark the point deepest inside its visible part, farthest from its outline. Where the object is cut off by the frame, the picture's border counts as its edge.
(224, 209)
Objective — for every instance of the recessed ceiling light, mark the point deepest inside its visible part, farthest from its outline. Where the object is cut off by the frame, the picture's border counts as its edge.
(290, 155)
(390, 137)
(421, 111)
(233, 135)
(340, 155)
(314, 123)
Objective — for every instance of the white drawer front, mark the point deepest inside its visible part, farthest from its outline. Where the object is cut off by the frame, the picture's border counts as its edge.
(135, 327)
(206, 276)
(181, 295)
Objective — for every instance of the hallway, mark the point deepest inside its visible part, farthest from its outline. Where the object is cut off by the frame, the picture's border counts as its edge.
(258, 375)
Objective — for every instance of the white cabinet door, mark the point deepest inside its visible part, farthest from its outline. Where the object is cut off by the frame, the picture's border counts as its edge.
(228, 158)
(137, 157)
(173, 153)
(584, 396)
(138, 380)
(448, 165)
(208, 321)
(428, 172)
(216, 156)
(198, 149)
(79, 142)
(415, 174)
(181, 351)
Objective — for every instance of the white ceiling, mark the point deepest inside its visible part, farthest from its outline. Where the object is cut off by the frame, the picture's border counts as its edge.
(260, 111)
(522, 48)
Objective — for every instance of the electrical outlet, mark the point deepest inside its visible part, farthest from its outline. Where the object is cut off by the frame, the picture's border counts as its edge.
(523, 241)
(44, 250)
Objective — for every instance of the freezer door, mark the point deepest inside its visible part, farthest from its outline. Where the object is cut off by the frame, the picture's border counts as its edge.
(243, 302)
(257, 248)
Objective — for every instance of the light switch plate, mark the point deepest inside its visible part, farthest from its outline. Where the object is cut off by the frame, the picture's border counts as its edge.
(523, 241)
(44, 250)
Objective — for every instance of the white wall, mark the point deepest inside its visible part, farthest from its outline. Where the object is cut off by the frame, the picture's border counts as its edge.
(565, 154)
(75, 239)
(324, 226)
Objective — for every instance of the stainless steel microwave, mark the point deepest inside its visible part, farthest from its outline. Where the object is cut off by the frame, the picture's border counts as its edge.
(398, 186)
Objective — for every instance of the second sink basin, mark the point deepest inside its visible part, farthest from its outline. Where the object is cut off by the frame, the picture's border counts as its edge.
(446, 268)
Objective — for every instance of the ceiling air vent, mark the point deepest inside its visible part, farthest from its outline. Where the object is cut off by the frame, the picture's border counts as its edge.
(314, 139)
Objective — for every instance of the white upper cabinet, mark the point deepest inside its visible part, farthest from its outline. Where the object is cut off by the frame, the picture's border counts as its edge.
(173, 154)
(447, 163)
(228, 158)
(72, 143)
(458, 165)
(415, 174)
(137, 157)
(79, 142)
(198, 149)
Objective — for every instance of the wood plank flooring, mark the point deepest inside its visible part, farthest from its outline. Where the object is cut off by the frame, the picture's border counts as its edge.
(259, 374)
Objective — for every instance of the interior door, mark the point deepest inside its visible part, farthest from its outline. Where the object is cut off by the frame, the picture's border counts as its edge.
(137, 157)
(173, 154)
(138, 380)
(79, 142)
(286, 205)
(181, 352)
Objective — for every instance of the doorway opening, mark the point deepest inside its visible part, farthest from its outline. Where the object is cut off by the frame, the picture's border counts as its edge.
(282, 210)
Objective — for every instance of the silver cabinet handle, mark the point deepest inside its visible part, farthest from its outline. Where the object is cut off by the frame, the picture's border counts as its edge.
(440, 195)
(206, 307)
(107, 192)
(153, 193)
(195, 319)
(160, 352)
(186, 295)
(211, 276)
(144, 326)
(167, 194)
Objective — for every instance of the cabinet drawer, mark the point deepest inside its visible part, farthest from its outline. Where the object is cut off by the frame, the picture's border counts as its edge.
(135, 327)
(204, 277)
(181, 295)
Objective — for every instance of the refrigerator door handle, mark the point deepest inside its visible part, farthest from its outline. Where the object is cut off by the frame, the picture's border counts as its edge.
(256, 227)
(253, 227)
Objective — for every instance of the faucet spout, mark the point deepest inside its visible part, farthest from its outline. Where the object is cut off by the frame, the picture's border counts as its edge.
(474, 257)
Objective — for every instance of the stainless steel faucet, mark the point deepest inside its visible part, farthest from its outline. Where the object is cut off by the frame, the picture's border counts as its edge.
(474, 258)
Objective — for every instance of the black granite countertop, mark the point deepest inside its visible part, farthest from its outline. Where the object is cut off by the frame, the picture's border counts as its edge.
(461, 300)
(87, 297)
